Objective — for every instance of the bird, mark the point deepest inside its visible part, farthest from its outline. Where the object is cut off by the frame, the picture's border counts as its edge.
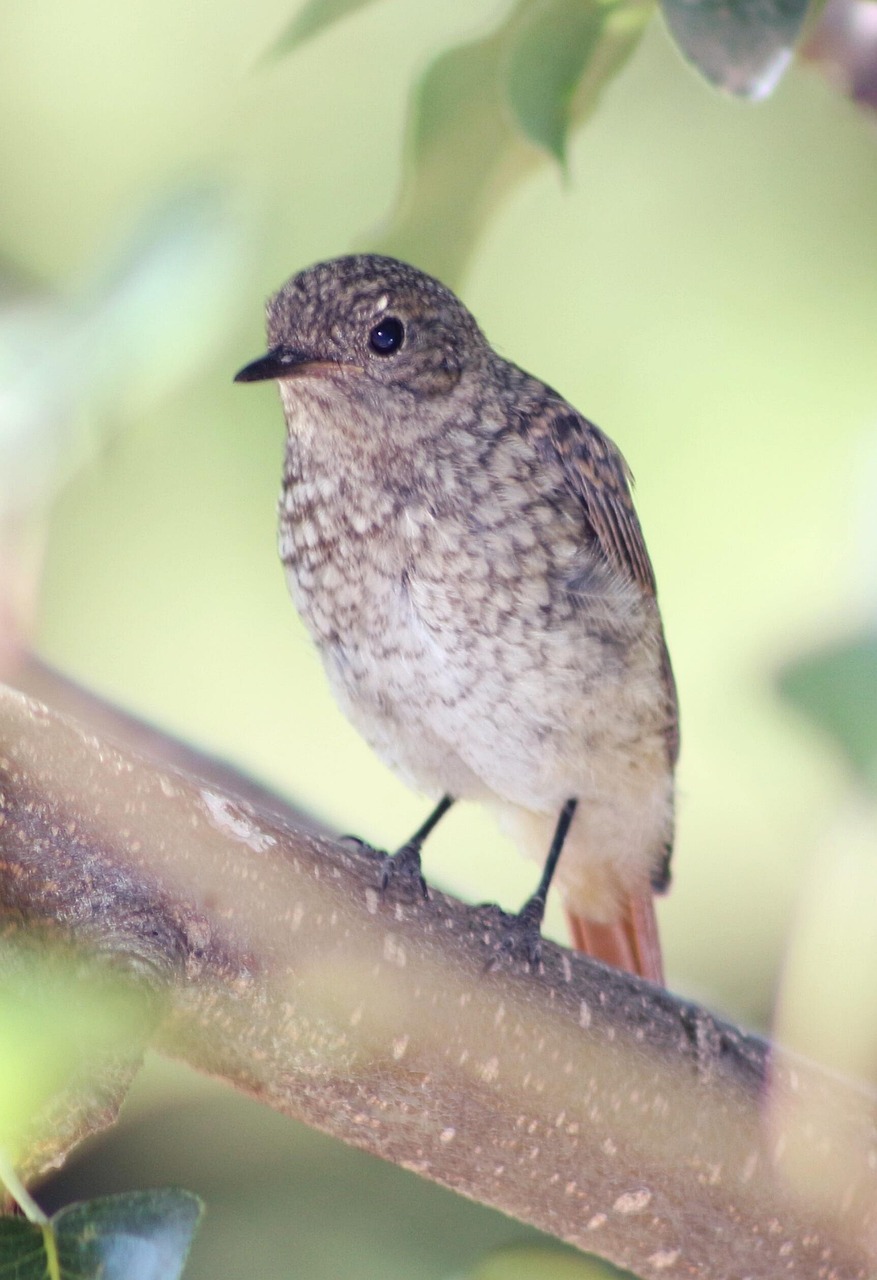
(462, 546)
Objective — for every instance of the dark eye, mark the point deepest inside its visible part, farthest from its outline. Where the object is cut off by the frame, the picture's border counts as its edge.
(387, 337)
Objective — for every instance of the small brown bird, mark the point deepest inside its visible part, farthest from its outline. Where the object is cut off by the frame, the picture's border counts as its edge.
(462, 546)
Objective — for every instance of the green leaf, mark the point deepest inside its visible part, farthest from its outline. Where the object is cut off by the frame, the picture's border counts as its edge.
(313, 18)
(59, 1024)
(526, 1262)
(464, 151)
(22, 1250)
(743, 46)
(553, 44)
(837, 688)
(142, 1235)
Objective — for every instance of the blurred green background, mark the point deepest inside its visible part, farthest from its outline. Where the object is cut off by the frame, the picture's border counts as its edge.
(704, 287)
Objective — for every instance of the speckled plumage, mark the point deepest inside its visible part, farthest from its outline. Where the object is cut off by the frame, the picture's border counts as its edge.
(462, 546)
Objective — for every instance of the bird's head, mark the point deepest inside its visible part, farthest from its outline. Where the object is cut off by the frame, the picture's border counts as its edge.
(368, 323)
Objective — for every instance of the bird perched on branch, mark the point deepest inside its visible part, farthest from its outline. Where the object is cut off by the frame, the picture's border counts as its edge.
(462, 546)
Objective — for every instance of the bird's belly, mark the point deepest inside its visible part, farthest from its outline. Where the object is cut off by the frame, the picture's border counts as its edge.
(526, 715)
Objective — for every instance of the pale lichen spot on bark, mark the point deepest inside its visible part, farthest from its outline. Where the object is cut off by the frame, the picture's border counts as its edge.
(664, 1258)
(609, 1148)
(399, 1046)
(447, 1135)
(598, 1220)
(372, 898)
(490, 1070)
(394, 952)
(633, 1201)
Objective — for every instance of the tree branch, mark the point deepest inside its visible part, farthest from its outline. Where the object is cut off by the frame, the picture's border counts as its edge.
(579, 1099)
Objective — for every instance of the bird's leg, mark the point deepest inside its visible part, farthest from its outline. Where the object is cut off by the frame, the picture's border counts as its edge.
(404, 864)
(523, 932)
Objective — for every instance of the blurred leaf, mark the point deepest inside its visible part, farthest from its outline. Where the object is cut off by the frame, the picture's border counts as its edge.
(837, 688)
(534, 1262)
(136, 330)
(553, 44)
(22, 1250)
(166, 301)
(142, 1235)
(56, 1023)
(743, 46)
(464, 152)
(313, 18)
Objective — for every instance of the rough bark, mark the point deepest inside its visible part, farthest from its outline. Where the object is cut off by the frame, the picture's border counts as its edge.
(591, 1104)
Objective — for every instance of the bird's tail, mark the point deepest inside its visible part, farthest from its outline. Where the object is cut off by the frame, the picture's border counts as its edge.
(631, 943)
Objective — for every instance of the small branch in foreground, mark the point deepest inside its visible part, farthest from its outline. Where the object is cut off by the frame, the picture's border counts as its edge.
(579, 1099)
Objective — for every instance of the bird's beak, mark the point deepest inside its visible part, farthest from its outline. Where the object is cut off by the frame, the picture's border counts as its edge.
(284, 362)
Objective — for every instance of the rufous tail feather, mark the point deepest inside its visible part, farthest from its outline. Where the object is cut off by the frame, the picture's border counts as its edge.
(632, 943)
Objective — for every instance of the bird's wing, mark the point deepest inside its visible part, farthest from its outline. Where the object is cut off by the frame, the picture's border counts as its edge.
(595, 473)
(599, 478)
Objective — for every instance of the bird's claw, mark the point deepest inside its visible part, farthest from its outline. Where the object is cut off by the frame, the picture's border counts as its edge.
(402, 871)
(514, 937)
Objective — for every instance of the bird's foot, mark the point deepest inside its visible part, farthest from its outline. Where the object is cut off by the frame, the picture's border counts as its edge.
(362, 845)
(514, 937)
(401, 874)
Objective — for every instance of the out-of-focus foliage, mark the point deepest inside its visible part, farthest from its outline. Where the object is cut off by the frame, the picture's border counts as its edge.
(552, 46)
(546, 1264)
(58, 1022)
(137, 1236)
(744, 46)
(533, 77)
(837, 687)
(312, 18)
(147, 316)
(478, 104)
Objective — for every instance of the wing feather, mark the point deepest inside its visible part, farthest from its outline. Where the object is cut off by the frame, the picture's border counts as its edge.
(597, 475)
